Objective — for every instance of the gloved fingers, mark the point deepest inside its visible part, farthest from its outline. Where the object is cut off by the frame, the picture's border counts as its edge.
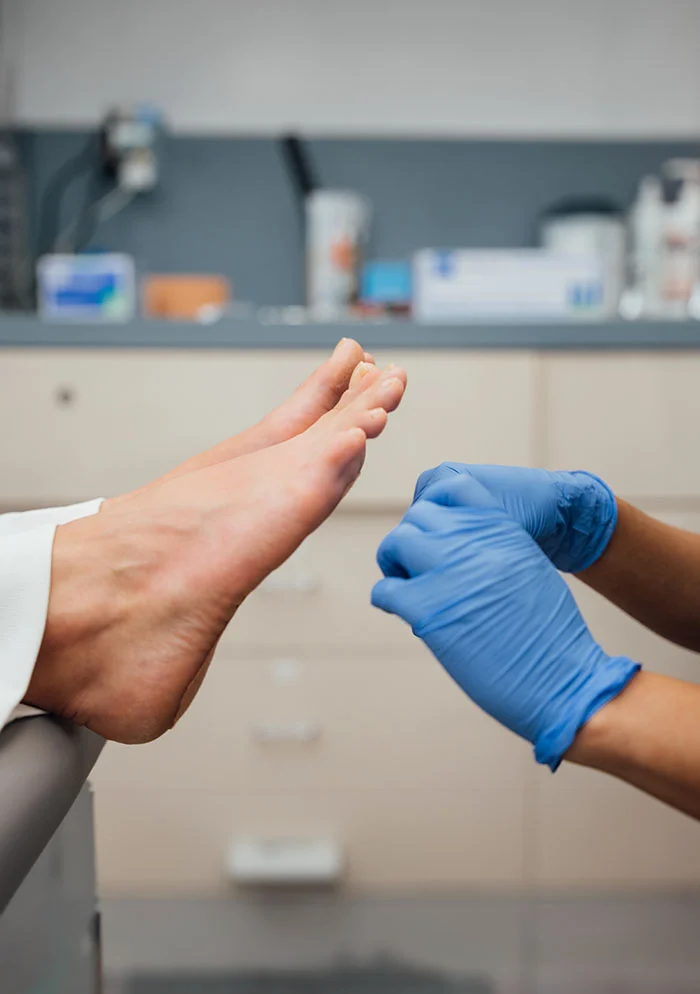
(386, 595)
(408, 550)
(445, 471)
(462, 491)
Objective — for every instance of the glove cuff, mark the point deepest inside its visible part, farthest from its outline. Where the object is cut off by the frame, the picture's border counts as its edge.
(609, 681)
(590, 507)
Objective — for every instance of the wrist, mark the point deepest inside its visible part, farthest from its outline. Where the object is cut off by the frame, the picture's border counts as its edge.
(608, 742)
(595, 680)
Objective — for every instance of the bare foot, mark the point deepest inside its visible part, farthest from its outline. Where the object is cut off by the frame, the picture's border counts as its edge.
(314, 398)
(142, 592)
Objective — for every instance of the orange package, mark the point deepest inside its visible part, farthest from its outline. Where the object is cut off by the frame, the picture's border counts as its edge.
(181, 298)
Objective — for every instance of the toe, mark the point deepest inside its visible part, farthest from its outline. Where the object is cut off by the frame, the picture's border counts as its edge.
(374, 422)
(368, 408)
(390, 392)
(365, 374)
(336, 373)
(383, 390)
(346, 453)
(327, 385)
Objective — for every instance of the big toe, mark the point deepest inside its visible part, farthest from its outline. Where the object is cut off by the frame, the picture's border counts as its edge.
(316, 396)
(326, 386)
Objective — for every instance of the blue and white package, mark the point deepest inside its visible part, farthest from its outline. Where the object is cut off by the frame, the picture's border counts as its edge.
(507, 285)
(99, 287)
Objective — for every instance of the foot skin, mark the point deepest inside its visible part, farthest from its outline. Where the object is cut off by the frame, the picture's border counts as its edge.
(142, 592)
(314, 398)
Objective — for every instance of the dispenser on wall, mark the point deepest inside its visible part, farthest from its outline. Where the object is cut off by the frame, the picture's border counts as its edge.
(129, 149)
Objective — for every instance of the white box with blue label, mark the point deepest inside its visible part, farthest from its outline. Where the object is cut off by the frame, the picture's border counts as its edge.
(99, 287)
(509, 285)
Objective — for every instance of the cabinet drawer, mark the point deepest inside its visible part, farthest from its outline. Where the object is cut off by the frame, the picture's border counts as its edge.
(318, 724)
(321, 596)
(84, 423)
(633, 419)
(392, 839)
(463, 406)
(80, 424)
(595, 832)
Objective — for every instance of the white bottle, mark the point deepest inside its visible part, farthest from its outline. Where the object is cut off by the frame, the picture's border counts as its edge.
(681, 241)
(338, 223)
(646, 224)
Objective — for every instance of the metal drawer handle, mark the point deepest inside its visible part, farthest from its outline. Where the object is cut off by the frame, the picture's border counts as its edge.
(269, 733)
(301, 583)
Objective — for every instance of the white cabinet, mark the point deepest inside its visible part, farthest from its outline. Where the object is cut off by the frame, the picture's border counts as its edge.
(170, 841)
(594, 832)
(632, 418)
(462, 406)
(324, 724)
(77, 424)
(321, 596)
(418, 786)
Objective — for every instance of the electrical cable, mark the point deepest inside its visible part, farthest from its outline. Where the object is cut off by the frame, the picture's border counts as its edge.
(79, 233)
(59, 184)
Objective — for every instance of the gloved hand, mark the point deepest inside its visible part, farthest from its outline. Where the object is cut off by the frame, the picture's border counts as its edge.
(475, 587)
(571, 516)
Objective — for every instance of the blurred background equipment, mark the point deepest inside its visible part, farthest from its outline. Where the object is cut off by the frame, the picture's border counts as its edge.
(680, 264)
(94, 288)
(113, 168)
(183, 297)
(515, 284)
(386, 287)
(129, 155)
(338, 225)
(593, 228)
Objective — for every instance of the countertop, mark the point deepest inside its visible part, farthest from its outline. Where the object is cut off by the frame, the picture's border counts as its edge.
(29, 332)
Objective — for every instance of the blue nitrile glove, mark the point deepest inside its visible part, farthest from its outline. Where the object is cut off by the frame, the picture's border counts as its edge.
(571, 516)
(476, 588)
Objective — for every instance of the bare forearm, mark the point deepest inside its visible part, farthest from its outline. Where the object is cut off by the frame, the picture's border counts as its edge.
(649, 737)
(652, 572)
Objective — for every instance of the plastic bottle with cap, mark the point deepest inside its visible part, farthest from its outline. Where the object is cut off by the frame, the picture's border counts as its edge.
(646, 225)
(680, 270)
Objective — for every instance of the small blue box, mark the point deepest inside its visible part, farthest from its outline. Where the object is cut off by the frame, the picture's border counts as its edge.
(387, 284)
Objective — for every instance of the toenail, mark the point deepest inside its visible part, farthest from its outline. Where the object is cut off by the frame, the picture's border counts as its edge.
(389, 386)
(390, 372)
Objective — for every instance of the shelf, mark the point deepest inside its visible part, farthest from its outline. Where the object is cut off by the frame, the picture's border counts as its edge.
(29, 332)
